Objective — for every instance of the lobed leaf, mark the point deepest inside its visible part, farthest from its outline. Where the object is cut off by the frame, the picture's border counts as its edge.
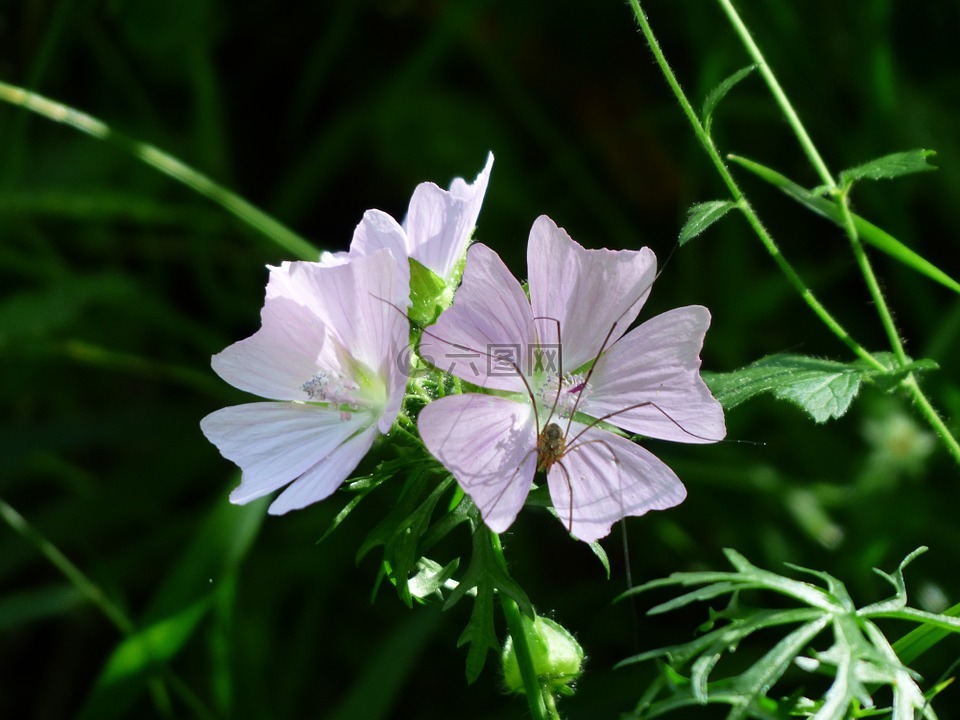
(824, 389)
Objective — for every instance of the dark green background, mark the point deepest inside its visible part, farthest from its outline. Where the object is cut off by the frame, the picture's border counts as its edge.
(318, 111)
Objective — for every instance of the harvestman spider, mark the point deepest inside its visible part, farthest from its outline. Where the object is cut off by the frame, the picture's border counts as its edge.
(553, 443)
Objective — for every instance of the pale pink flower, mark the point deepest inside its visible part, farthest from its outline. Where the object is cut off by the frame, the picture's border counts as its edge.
(327, 353)
(646, 382)
(435, 232)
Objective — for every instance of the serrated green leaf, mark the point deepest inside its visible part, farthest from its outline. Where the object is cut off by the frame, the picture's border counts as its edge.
(889, 167)
(822, 388)
(703, 215)
(719, 92)
(867, 231)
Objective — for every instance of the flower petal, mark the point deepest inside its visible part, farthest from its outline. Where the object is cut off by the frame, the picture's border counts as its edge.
(489, 444)
(490, 315)
(658, 363)
(376, 231)
(280, 357)
(274, 443)
(608, 478)
(588, 292)
(362, 304)
(320, 481)
(439, 222)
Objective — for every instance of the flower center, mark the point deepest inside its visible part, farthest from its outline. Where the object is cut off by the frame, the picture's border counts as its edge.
(331, 387)
(563, 392)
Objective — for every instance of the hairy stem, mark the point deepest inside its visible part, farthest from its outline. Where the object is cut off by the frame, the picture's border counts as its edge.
(705, 140)
(521, 646)
(842, 198)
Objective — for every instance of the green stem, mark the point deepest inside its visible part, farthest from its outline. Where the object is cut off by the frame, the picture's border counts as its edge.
(521, 646)
(843, 200)
(791, 115)
(705, 140)
(281, 235)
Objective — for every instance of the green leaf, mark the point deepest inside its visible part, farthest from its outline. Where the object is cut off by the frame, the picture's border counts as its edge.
(174, 614)
(400, 532)
(429, 294)
(860, 659)
(867, 231)
(889, 166)
(703, 215)
(822, 388)
(485, 574)
(719, 92)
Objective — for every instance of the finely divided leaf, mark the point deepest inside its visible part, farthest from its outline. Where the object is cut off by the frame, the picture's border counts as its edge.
(889, 166)
(703, 215)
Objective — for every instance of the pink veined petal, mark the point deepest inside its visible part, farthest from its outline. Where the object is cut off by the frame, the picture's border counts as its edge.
(362, 304)
(439, 222)
(490, 315)
(658, 363)
(589, 292)
(280, 357)
(275, 443)
(608, 478)
(489, 445)
(320, 481)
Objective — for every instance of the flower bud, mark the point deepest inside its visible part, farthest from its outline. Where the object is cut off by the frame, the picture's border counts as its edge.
(557, 657)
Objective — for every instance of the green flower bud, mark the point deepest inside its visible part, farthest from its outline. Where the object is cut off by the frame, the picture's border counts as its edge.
(557, 657)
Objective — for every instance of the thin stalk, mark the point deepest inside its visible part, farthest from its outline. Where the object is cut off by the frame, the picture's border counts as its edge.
(779, 95)
(751, 216)
(511, 611)
(275, 231)
(910, 383)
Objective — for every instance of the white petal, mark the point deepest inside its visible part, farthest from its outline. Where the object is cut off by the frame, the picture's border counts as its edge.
(488, 443)
(320, 481)
(589, 292)
(376, 231)
(490, 315)
(280, 357)
(439, 222)
(608, 478)
(362, 305)
(657, 366)
(274, 443)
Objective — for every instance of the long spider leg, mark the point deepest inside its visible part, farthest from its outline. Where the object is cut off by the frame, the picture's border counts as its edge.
(648, 403)
(556, 398)
(589, 374)
(559, 464)
(485, 511)
(566, 474)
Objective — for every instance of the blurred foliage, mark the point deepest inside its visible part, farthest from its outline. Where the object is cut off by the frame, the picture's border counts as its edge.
(118, 285)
